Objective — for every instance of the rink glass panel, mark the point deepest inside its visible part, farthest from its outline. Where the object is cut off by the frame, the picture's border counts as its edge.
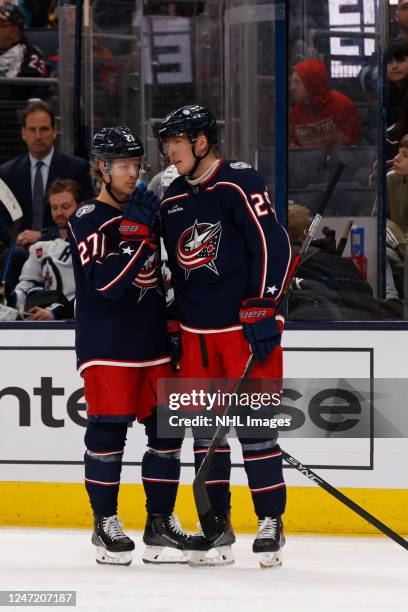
(140, 62)
(354, 68)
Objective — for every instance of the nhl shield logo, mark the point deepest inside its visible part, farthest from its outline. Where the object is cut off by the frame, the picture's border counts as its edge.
(198, 247)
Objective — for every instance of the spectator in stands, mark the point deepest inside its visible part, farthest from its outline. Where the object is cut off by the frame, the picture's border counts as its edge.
(17, 57)
(328, 286)
(401, 16)
(29, 175)
(319, 117)
(397, 188)
(47, 276)
(397, 81)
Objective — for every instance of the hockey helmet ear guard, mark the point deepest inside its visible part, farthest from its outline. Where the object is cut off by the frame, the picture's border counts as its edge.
(189, 121)
(111, 143)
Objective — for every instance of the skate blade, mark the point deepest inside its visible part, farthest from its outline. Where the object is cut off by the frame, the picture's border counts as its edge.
(160, 555)
(106, 557)
(221, 555)
(269, 559)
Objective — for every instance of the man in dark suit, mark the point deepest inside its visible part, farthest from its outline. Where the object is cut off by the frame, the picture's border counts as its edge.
(29, 175)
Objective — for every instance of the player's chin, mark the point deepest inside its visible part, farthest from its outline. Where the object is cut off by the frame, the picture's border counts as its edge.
(181, 168)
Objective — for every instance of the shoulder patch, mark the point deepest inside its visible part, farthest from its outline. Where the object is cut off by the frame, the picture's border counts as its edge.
(84, 210)
(239, 165)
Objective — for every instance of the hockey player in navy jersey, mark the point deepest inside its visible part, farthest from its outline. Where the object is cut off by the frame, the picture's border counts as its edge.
(229, 258)
(121, 347)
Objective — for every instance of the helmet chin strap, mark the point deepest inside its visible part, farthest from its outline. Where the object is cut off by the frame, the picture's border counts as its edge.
(108, 187)
(198, 159)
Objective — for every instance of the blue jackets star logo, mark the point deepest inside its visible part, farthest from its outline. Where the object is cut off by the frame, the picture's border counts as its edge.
(198, 247)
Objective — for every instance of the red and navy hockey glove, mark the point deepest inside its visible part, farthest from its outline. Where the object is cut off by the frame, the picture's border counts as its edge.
(138, 215)
(260, 327)
(174, 342)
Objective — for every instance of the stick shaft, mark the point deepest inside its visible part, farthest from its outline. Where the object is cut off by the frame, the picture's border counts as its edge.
(308, 473)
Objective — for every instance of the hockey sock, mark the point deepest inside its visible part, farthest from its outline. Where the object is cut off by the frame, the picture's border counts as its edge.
(103, 464)
(219, 473)
(263, 466)
(160, 470)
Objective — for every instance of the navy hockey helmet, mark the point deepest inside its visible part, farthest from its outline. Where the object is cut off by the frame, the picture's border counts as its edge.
(188, 120)
(12, 13)
(111, 143)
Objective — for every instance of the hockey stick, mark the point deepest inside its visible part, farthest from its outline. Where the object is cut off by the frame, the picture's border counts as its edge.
(9, 202)
(306, 471)
(343, 240)
(15, 211)
(209, 520)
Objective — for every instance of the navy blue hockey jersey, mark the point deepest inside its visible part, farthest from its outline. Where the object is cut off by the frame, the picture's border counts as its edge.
(224, 244)
(120, 307)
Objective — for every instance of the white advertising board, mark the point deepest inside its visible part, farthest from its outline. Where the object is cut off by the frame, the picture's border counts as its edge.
(43, 419)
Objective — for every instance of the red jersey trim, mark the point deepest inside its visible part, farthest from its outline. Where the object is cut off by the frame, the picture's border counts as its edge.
(122, 364)
(259, 228)
(177, 197)
(221, 330)
(270, 488)
(125, 269)
(215, 171)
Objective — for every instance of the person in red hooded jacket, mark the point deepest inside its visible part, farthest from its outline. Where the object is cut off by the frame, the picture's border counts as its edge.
(320, 117)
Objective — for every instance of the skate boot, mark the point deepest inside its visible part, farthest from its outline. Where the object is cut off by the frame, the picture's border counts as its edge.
(164, 531)
(268, 542)
(113, 547)
(217, 552)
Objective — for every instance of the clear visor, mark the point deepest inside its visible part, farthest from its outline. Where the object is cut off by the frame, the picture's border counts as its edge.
(131, 166)
(179, 141)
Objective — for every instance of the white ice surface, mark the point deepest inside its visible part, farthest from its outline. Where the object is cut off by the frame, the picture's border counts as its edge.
(319, 574)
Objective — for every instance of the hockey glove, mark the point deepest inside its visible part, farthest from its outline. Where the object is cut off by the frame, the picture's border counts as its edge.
(138, 216)
(174, 342)
(260, 327)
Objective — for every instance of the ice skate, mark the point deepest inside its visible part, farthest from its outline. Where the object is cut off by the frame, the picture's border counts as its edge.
(113, 547)
(162, 532)
(268, 542)
(218, 552)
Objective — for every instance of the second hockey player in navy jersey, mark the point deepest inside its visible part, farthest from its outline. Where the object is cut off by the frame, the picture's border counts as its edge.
(229, 258)
(121, 346)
